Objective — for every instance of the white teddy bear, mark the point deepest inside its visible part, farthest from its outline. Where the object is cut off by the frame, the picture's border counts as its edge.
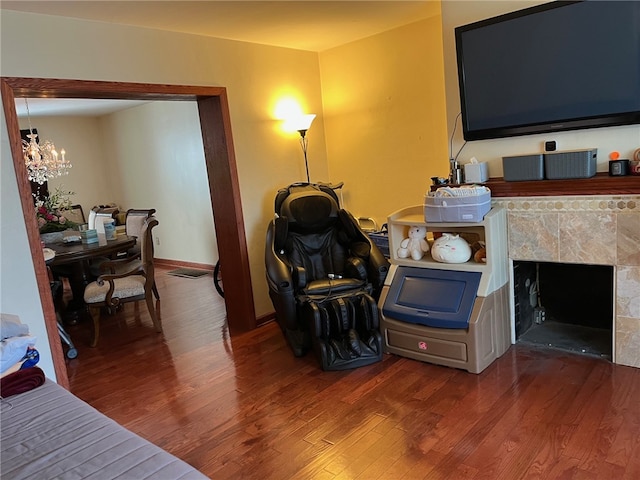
(416, 245)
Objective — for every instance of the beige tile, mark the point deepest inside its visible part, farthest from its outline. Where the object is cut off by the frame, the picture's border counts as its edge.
(587, 237)
(628, 238)
(628, 292)
(533, 236)
(628, 341)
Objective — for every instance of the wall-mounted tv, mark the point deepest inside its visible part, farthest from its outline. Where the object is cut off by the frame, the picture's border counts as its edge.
(552, 67)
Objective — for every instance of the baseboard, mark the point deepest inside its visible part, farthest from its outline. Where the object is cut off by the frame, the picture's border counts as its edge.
(264, 319)
(163, 262)
(166, 263)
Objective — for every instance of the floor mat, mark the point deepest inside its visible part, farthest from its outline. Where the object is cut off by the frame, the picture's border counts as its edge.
(188, 272)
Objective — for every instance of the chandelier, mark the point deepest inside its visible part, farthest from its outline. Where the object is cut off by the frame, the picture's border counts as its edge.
(42, 160)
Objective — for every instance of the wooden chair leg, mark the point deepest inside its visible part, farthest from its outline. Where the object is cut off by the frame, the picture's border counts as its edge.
(152, 312)
(155, 292)
(95, 316)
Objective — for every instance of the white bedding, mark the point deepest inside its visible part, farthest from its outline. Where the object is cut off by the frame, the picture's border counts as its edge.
(49, 433)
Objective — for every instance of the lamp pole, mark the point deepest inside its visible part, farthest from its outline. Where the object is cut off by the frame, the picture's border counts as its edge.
(304, 142)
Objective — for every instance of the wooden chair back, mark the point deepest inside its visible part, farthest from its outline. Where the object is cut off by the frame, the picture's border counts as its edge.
(135, 219)
(75, 214)
(146, 250)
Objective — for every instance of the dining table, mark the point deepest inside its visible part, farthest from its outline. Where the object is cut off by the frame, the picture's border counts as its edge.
(77, 257)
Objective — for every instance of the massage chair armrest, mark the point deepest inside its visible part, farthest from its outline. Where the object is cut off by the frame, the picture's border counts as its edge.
(364, 247)
(281, 274)
(299, 278)
(378, 268)
(278, 270)
(356, 267)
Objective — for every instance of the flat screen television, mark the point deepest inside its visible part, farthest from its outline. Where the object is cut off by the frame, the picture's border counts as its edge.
(552, 67)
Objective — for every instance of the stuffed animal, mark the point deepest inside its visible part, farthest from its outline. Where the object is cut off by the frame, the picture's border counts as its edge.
(451, 248)
(479, 252)
(416, 245)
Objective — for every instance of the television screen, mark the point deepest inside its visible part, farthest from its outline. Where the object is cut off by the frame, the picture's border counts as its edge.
(552, 67)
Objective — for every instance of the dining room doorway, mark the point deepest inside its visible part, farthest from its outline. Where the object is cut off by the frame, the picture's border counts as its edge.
(220, 162)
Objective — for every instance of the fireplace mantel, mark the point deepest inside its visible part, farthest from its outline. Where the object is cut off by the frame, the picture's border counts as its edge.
(600, 184)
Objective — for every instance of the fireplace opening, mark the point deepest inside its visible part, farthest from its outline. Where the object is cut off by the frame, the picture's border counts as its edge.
(564, 306)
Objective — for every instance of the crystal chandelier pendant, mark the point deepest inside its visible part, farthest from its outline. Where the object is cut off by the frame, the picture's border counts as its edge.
(42, 161)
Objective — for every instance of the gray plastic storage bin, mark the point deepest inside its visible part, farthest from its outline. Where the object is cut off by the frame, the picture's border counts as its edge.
(523, 167)
(575, 164)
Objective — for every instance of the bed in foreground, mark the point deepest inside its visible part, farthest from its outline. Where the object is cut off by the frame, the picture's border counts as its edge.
(47, 432)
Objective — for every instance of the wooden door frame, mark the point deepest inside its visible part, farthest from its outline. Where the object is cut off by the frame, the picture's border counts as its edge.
(215, 123)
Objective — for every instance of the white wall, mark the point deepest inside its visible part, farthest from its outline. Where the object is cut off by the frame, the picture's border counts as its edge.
(149, 156)
(455, 13)
(156, 160)
(18, 287)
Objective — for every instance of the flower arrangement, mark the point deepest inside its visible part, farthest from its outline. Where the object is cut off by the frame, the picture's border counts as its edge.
(50, 211)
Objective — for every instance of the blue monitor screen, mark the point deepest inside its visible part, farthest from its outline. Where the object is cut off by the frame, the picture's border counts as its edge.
(432, 297)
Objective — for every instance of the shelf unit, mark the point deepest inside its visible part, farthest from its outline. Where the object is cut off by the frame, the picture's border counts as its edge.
(492, 231)
(487, 335)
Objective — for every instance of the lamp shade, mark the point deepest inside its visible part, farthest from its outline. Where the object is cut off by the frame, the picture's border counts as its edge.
(303, 122)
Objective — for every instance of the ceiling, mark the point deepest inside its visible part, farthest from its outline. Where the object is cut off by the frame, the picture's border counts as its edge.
(304, 25)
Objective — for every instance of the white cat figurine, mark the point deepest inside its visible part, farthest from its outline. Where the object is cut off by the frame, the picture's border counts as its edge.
(450, 248)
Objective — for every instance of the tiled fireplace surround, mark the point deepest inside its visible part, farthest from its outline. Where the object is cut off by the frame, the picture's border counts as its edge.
(590, 229)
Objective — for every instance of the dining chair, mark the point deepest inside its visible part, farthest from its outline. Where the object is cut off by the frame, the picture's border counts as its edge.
(75, 214)
(125, 280)
(134, 220)
(133, 226)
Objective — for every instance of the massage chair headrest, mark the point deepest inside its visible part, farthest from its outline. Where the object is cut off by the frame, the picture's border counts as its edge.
(308, 211)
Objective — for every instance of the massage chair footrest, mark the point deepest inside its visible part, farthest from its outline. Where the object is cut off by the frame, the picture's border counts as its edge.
(345, 331)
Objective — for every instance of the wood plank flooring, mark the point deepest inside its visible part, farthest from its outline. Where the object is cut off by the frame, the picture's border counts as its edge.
(245, 407)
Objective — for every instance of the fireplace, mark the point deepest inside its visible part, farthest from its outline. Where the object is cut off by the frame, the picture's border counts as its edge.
(564, 306)
(585, 230)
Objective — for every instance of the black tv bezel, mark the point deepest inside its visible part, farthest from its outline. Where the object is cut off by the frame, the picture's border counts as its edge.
(612, 120)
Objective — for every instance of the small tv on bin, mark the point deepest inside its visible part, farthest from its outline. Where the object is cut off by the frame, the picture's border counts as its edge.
(552, 67)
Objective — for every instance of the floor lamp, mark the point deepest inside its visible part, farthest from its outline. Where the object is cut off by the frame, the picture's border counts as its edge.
(302, 124)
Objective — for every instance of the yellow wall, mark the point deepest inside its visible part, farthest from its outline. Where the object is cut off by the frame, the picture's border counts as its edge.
(384, 115)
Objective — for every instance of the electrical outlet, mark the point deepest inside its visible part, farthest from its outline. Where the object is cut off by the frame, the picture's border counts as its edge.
(157, 241)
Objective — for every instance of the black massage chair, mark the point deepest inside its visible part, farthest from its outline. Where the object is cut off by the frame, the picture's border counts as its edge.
(324, 276)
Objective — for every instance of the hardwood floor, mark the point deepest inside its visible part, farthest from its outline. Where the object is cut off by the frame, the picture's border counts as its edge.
(245, 407)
